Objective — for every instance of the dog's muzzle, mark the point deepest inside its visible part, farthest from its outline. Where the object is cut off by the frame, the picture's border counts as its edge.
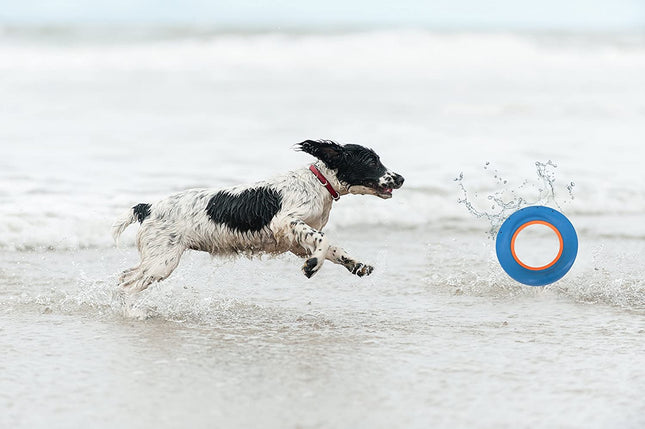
(388, 183)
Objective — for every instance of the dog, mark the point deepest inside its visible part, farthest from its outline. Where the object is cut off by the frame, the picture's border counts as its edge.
(285, 214)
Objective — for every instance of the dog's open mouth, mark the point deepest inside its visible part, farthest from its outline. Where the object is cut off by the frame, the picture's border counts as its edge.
(379, 191)
(384, 193)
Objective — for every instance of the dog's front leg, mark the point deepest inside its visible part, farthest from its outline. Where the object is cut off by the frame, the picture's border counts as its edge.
(341, 257)
(313, 241)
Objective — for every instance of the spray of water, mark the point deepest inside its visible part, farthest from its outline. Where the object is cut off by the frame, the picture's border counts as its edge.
(506, 199)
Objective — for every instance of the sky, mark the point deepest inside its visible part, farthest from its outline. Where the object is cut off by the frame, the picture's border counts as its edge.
(471, 14)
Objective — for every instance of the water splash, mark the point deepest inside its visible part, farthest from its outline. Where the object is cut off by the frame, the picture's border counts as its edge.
(506, 200)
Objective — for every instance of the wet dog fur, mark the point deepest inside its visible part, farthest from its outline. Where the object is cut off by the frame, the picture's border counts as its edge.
(284, 214)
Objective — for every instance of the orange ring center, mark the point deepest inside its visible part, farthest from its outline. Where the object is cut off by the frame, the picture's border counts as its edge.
(537, 222)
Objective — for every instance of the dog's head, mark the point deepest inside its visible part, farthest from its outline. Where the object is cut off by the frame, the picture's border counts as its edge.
(358, 168)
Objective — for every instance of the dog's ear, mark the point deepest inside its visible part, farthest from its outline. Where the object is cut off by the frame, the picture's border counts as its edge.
(327, 151)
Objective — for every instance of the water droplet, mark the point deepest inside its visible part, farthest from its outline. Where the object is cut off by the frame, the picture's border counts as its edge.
(507, 201)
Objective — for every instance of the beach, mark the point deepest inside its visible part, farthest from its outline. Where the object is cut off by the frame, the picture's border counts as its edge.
(438, 336)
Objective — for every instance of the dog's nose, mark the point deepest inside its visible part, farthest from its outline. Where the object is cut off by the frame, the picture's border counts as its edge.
(398, 180)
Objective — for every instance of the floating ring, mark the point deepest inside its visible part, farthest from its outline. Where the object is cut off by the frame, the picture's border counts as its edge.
(546, 274)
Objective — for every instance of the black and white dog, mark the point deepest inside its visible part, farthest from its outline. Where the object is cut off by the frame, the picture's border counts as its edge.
(275, 216)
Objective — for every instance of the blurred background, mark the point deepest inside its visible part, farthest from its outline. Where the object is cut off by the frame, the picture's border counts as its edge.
(598, 15)
(109, 103)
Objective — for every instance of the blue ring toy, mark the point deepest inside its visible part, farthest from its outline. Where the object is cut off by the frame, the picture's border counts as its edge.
(536, 276)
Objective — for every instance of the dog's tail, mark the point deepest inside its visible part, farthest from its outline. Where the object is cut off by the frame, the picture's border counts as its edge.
(137, 213)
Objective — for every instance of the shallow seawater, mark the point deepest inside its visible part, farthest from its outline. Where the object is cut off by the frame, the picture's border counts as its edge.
(438, 336)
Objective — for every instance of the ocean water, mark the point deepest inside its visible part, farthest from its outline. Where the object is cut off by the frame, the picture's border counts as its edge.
(94, 122)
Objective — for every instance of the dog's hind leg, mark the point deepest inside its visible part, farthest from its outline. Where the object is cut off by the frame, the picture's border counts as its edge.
(129, 276)
(159, 258)
(341, 257)
(313, 241)
(156, 267)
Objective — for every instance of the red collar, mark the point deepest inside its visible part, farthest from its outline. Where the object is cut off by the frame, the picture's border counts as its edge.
(325, 182)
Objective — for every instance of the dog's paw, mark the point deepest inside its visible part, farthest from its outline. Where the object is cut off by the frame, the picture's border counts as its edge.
(310, 267)
(361, 269)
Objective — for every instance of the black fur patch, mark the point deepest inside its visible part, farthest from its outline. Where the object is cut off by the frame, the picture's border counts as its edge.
(141, 211)
(250, 210)
(360, 166)
(355, 164)
(309, 266)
